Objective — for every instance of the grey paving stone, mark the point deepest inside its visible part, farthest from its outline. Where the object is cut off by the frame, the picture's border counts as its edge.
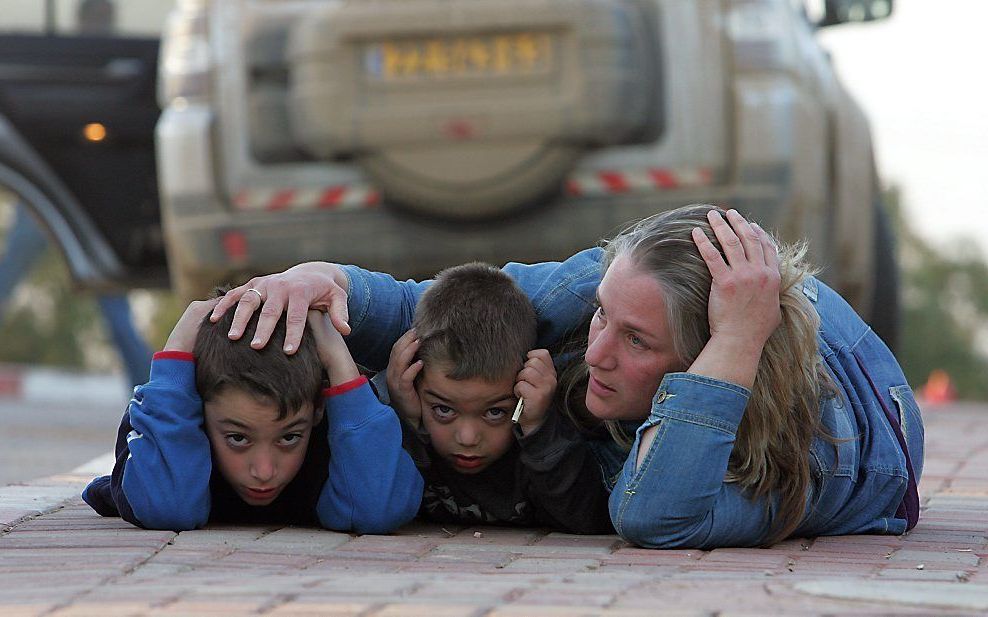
(551, 566)
(931, 557)
(912, 574)
(301, 541)
(946, 595)
(232, 537)
(536, 549)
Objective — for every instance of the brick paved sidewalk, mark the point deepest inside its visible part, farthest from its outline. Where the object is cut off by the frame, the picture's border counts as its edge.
(57, 557)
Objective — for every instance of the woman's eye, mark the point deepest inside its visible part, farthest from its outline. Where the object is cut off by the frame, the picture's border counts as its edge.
(636, 341)
(599, 313)
(291, 439)
(442, 412)
(236, 440)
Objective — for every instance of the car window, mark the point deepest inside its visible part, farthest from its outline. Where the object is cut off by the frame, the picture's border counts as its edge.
(119, 18)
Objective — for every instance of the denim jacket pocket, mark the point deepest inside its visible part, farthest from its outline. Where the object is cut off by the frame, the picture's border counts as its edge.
(839, 455)
(911, 423)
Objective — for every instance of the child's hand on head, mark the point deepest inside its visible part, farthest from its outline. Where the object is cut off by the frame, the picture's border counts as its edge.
(536, 383)
(402, 371)
(332, 349)
(183, 335)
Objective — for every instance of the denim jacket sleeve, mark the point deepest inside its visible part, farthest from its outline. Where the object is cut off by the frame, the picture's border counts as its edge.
(678, 498)
(563, 293)
(381, 308)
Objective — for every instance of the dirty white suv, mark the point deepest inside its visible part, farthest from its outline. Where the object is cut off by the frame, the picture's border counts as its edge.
(408, 135)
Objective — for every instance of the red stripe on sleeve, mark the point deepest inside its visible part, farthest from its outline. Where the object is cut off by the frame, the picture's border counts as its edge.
(345, 387)
(174, 355)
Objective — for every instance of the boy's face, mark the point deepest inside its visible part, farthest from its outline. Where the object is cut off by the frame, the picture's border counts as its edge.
(469, 421)
(257, 453)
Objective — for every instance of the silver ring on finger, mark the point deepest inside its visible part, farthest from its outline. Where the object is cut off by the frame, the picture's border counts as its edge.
(259, 296)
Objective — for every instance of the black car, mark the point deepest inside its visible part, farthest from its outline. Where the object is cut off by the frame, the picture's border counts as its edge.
(77, 118)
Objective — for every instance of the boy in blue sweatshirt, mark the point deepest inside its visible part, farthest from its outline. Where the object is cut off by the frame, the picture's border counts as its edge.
(226, 433)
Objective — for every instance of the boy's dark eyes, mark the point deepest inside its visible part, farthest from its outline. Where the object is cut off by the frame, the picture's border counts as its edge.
(443, 412)
(236, 439)
(291, 439)
(495, 414)
(239, 440)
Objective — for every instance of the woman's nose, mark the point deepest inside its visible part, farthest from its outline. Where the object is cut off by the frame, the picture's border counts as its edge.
(599, 352)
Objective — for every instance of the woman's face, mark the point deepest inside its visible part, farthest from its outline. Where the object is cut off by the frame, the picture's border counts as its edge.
(629, 348)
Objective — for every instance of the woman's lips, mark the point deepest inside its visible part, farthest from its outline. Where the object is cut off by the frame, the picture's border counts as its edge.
(467, 462)
(598, 388)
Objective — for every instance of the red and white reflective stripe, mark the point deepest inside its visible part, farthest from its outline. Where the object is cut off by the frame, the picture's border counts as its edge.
(600, 182)
(341, 197)
(581, 184)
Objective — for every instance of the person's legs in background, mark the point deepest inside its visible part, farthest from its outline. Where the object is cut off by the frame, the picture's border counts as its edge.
(26, 243)
(134, 351)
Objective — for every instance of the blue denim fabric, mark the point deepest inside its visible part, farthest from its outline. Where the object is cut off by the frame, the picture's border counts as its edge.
(678, 496)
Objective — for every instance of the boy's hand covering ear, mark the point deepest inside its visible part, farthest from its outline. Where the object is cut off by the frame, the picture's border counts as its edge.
(183, 335)
(402, 371)
(332, 349)
(536, 383)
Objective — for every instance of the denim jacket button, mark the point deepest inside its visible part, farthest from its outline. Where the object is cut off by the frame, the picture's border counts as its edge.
(660, 397)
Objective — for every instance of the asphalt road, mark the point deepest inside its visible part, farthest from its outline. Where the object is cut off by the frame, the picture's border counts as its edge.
(57, 434)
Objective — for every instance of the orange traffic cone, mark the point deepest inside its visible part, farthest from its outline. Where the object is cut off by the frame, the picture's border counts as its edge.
(938, 388)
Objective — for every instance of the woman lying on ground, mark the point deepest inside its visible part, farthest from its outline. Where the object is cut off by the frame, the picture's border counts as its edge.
(764, 406)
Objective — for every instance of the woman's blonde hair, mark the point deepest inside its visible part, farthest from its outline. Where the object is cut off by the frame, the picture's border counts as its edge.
(771, 450)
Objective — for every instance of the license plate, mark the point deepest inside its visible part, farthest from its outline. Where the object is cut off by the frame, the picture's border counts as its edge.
(508, 54)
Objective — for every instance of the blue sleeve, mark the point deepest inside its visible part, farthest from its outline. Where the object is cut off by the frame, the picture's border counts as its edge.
(563, 293)
(381, 309)
(373, 485)
(678, 497)
(161, 477)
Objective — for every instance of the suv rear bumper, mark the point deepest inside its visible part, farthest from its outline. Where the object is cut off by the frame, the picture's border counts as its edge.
(227, 246)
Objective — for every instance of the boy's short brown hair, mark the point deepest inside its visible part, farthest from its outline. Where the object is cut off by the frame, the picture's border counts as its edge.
(288, 381)
(476, 321)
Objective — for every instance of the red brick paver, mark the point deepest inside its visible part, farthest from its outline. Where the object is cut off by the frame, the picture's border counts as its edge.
(57, 557)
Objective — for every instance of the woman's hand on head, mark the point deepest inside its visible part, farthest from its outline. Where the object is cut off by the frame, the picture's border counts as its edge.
(744, 308)
(316, 285)
(183, 335)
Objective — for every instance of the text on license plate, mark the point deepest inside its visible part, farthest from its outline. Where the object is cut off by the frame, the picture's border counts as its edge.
(520, 53)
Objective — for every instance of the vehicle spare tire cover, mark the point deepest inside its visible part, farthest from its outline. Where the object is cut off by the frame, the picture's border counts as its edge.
(470, 181)
(477, 141)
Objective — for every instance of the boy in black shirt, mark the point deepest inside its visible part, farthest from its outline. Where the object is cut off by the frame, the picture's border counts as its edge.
(456, 377)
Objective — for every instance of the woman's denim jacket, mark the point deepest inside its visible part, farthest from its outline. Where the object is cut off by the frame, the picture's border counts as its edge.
(678, 496)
